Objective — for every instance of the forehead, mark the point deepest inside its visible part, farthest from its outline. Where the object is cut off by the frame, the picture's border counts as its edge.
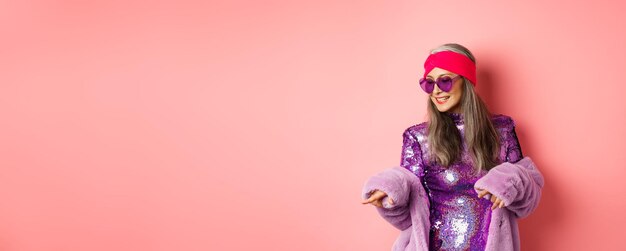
(437, 72)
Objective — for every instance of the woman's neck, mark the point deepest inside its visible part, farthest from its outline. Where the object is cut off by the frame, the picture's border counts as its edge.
(456, 116)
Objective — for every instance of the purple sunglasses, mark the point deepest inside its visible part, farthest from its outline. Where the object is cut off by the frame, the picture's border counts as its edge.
(444, 83)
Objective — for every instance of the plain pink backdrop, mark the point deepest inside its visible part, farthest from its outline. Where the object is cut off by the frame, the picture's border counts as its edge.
(252, 125)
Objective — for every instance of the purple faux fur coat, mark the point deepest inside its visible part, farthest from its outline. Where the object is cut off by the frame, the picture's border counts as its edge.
(517, 184)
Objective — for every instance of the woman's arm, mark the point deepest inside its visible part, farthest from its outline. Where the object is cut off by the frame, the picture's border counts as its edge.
(395, 182)
(398, 183)
(411, 156)
(513, 148)
(517, 184)
(516, 181)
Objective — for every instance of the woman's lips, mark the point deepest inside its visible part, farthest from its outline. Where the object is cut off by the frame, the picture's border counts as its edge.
(442, 100)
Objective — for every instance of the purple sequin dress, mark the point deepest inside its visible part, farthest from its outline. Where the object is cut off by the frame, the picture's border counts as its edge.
(459, 219)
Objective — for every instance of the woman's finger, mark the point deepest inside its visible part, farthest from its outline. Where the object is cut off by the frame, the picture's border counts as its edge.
(376, 199)
(493, 198)
(501, 204)
(374, 196)
(377, 203)
(368, 200)
(380, 194)
(482, 193)
(495, 203)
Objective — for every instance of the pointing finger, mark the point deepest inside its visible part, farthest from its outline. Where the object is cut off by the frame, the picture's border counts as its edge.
(377, 203)
(377, 195)
(370, 200)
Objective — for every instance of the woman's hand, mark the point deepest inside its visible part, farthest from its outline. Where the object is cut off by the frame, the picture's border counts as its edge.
(497, 202)
(376, 199)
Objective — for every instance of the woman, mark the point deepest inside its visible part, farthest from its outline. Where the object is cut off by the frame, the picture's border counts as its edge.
(450, 156)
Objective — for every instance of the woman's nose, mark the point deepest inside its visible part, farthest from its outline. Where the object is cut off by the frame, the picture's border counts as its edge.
(436, 89)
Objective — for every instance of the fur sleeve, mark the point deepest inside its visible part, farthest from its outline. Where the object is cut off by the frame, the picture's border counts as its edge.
(396, 182)
(517, 184)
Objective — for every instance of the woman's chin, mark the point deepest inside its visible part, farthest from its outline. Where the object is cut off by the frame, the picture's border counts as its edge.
(443, 109)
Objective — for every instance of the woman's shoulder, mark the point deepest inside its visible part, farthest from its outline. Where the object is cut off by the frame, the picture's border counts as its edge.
(417, 129)
(502, 121)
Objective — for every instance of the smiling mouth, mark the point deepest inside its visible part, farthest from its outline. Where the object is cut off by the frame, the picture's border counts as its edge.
(442, 99)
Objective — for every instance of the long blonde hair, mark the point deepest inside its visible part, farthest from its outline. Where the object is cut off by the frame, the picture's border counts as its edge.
(481, 137)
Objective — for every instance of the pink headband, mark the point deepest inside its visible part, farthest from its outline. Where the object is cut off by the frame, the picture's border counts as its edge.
(451, 61)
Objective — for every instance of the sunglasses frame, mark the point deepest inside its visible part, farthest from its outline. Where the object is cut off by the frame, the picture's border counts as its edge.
(429, 86)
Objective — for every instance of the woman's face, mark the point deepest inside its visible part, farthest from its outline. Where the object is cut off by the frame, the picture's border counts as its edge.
(438, 97)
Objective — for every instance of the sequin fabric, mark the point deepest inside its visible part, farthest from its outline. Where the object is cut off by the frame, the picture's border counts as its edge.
(459, 219)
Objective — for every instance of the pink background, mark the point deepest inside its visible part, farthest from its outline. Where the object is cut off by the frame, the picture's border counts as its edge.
(252, 125)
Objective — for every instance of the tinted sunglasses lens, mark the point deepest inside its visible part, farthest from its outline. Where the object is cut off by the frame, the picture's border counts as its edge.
(427, 85)
(445, 83)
